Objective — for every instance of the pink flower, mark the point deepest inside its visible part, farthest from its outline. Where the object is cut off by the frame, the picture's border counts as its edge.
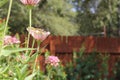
(38, 34)
(10, 40)
(30, 2)
(52, 60)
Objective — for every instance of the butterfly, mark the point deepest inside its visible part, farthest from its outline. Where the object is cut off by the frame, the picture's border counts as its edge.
(38, 33)
(35, 30)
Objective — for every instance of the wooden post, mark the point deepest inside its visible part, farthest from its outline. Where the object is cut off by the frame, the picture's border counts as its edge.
(52, 47)
(104, 30)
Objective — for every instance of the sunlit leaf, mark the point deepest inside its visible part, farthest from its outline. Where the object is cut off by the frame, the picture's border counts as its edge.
(30, 77)
(7, 52)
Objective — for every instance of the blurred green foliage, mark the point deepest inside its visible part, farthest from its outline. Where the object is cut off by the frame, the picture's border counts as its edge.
(67, 17)
(3, 2)
(93, 66)
(117, 69)
(94, 15)
(55, 16)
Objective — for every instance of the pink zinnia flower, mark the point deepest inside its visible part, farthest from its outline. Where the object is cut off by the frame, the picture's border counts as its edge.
(38, 34)
(10, 40)
(52, 60)
(30, 2)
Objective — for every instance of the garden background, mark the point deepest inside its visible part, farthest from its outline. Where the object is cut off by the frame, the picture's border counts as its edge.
(97, 18)
(67, 17)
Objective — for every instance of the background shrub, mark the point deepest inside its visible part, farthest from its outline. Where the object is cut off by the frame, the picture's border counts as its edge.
(88, 67)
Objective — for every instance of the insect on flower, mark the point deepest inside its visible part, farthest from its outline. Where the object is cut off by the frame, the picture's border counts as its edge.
(37, 33)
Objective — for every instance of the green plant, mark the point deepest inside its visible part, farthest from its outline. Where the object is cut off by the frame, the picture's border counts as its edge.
(91, 66)
(55, 73)
(3, 2)
(15, 63)
(117, 69)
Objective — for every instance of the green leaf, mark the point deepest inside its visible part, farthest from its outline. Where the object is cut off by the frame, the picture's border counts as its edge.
(32, 58)
(17, 69)
(7, 52)
(2, 70)
(15, 79)
(24, 72)
(25, 67)
(30, 77)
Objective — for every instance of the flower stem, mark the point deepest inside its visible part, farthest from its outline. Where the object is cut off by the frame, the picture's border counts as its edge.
(30, 25)
(6, 24)
(49, 73)
(33, 43)
(37, 52)
(34, 66)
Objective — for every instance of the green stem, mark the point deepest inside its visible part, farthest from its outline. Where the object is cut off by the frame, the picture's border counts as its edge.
(6, 24)
(34, 66)
(30, 25)
(33, 43)
(38, 46)
(49, 74)
(37, 52)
